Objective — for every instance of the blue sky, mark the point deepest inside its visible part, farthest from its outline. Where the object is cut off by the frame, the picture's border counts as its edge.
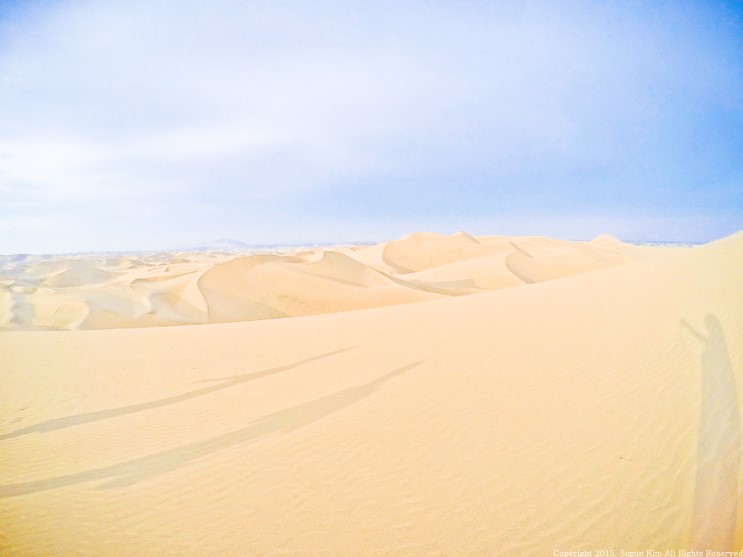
(156, 124)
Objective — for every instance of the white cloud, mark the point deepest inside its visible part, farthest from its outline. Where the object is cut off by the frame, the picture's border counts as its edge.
(189, 102)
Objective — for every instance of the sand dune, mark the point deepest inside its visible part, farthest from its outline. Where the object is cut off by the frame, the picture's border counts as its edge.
(103, 292)
(600, 410)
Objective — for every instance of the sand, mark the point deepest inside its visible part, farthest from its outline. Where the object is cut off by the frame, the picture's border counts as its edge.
(107, 291)
(434, 395)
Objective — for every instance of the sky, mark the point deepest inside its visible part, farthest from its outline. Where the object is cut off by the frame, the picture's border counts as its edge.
(162, 124)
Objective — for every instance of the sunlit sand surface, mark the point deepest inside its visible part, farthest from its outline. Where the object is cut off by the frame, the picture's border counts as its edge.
(433, 395)
(174, 288)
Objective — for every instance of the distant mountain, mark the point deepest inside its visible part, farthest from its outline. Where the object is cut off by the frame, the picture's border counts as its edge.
(224, 244)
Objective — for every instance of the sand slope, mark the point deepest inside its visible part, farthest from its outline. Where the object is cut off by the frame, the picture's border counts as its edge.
(103, 292)
(594, 411)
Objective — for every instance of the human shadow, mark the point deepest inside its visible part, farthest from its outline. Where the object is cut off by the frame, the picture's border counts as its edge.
(223, 383)
(719, 444)
(283, 421)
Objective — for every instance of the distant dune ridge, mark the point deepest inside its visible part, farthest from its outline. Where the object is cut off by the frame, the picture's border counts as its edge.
(433, 395)
(102, 292)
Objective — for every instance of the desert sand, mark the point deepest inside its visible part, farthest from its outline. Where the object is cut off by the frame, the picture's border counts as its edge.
(433, 395)
(142, 290)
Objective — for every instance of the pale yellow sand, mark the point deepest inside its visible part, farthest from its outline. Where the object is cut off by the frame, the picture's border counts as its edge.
(103, 292)
(597, 411)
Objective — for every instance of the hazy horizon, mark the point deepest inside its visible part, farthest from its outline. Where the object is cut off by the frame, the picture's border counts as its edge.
(160, 125)
(233, 245)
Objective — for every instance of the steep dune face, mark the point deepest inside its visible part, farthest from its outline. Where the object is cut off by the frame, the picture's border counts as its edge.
(79, 275)
(424, 250)
(488, 272)
(602, 410)
(100, 292)
(245, 288)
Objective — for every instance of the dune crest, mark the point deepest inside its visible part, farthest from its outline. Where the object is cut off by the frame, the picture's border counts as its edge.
(601, 410)
(102, 292)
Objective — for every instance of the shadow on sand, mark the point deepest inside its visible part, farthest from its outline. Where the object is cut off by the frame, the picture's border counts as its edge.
(223, 383)
(719, 446)
(161, 462)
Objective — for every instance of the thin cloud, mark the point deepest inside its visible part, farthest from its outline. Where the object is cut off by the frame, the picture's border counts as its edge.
(467, 110)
